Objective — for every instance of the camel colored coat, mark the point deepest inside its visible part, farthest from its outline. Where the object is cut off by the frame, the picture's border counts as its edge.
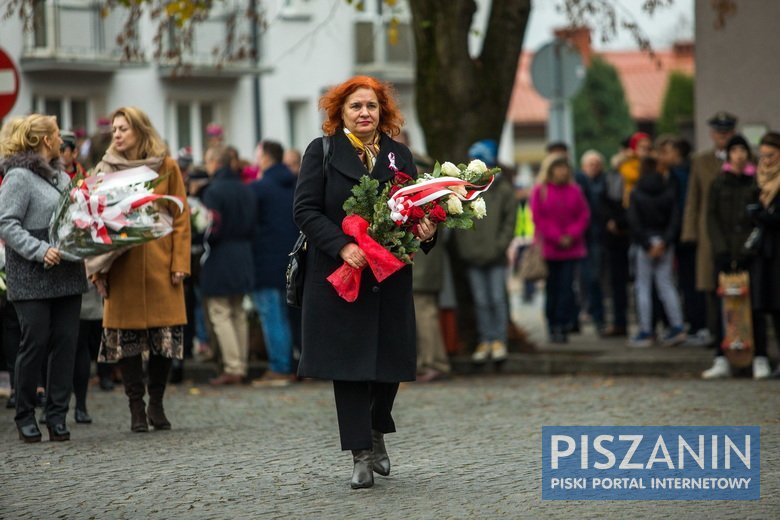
(705, 168)
(141, 295)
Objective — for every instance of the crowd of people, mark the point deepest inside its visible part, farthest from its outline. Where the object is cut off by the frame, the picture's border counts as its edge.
(668, 222)
(654, 216)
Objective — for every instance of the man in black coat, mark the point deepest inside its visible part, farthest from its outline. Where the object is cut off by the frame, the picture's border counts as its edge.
(227, 271)
(274, 238)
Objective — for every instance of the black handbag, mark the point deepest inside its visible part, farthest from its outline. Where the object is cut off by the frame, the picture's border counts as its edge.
(296, 265)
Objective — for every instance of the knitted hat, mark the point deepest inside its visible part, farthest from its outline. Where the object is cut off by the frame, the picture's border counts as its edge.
(486, 151)
(633, 142)
(737, 140)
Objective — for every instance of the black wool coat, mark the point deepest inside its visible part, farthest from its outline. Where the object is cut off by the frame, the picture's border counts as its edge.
(373, 338)
(227, 263)
(765, 266)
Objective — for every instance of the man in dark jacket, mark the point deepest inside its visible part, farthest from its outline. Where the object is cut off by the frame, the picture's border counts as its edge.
(274, 238)
(227, 270)
(654, 220)
(593, 182)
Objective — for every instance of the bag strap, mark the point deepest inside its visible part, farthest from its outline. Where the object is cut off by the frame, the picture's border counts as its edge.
(325, 153)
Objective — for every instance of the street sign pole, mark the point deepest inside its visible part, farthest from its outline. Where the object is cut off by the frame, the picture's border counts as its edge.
(557, 73)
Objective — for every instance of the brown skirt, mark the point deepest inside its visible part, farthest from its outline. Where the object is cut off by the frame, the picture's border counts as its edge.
(121, 343)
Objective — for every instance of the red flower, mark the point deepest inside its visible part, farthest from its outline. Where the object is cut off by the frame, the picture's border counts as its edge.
(438, 215)
(394, 189)
(416, 213)
(401, 178)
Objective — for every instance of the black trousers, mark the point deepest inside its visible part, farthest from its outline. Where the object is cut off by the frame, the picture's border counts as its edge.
(49, 330)
(90, 333)
(11, 338)
(694, 304)
(617, 259)
(362, 406)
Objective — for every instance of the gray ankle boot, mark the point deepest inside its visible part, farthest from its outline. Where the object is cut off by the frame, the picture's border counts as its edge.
(362, 475)
(381, 460)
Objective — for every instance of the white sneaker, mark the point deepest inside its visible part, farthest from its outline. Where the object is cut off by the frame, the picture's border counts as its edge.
(761, 368)
(719, 369)
(499, 350)
(482, 353)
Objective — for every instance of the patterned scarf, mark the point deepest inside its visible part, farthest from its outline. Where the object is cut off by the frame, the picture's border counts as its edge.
(769, 182)
(366, 153)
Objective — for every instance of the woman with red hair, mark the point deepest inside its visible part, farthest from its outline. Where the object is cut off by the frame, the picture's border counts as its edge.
(366, 347)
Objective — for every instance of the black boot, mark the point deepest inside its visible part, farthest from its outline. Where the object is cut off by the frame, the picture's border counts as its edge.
(381, 459)
(133, 378)
(159, 368)
(362, 474)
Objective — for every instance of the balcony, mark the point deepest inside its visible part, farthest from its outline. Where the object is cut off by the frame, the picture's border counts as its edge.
(220, 48)
(73, 36)
(376, 55)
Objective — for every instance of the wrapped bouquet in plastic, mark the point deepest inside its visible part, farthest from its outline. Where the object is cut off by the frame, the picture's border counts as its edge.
(108, 212)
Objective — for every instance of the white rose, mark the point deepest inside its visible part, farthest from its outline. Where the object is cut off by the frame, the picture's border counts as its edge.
(477, 166)
(454, 206)
(450, 170)
(479, 208)
(460, 190)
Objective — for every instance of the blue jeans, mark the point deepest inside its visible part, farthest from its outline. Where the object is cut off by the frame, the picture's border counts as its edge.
(658, 272)
(488, 287)
(560, 293)
(590, 283)
(272, 309)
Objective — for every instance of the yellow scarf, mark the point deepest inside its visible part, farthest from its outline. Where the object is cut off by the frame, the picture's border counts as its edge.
(366, 153)
(769, 182)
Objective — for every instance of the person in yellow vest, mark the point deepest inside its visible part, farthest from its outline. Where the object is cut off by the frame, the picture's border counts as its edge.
(639, 146)
(524, 237)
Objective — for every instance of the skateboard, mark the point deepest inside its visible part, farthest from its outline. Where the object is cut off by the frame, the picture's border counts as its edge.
(737, 345)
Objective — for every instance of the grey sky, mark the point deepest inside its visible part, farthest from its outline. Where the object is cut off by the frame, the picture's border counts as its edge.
(666, 26)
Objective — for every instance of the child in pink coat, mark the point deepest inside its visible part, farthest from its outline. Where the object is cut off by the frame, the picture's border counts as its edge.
(561, 216)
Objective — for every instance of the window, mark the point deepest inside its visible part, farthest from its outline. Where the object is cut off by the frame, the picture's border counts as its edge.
(39, 23)
(183, 125)
(383, 35)
(187, 121)
(301, 129)
(206, 117)
(71, 113)
(364, 43)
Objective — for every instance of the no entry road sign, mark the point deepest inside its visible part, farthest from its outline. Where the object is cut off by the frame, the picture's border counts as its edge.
(9, 84)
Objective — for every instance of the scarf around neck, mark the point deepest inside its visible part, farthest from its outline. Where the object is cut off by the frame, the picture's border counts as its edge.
(366, 153)
(769, 182)
(113, 162)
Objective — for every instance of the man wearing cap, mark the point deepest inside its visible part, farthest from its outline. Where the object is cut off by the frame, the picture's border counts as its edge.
(705, 168)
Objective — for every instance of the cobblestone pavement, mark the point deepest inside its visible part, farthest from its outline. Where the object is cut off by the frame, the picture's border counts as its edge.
(467, 448)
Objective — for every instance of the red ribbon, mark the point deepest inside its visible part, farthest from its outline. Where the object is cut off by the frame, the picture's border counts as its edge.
(346, 279)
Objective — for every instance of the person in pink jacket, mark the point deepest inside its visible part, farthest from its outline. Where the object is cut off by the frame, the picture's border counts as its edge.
(561, 216)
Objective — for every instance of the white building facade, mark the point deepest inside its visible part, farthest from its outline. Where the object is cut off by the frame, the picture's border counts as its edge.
(70, 66)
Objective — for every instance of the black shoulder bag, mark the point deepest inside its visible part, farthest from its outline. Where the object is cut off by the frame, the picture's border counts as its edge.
(296, 265)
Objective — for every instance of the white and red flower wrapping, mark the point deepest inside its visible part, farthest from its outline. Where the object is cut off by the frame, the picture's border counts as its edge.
(423, 192)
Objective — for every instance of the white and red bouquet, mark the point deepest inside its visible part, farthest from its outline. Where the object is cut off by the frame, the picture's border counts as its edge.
(3, 287)
(384, 224)
(106, 212)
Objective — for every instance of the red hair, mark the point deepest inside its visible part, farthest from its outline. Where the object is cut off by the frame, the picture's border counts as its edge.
(332, 102)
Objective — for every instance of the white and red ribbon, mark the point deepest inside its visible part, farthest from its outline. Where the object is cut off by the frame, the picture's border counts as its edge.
(422, 193)
(93, 212)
